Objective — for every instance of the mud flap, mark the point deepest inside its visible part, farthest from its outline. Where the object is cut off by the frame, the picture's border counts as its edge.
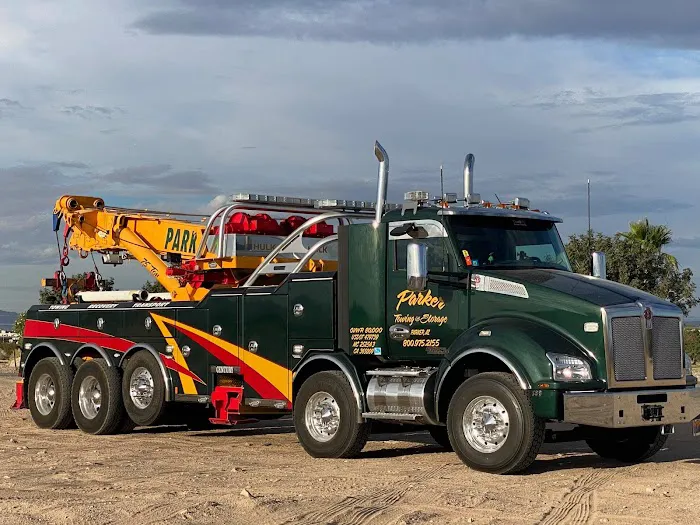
(19, 396)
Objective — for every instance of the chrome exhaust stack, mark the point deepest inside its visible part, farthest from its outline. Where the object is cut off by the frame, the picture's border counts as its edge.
(469, 196)
(599, 265)
(383, 159)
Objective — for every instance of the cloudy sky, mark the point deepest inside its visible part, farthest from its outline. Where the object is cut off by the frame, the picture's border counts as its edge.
(168, 103)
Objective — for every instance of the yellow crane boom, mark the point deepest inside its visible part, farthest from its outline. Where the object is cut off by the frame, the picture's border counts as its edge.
(174, 248)
(153, 239)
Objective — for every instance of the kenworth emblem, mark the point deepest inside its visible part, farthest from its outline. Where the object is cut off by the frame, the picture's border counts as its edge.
(648, 316)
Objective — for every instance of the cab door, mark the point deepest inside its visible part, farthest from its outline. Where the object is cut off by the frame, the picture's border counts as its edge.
(421, 325)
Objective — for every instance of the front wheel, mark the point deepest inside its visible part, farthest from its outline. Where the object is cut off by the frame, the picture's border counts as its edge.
(492, 425)
(326, 417)
(629, 445)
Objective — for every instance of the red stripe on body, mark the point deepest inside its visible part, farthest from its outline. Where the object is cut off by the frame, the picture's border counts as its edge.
(45, 330)
(251, 376)
(170, 363)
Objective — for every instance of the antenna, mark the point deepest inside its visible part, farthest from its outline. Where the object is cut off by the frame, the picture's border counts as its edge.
(499, 200)
(442, 187)
(589, 206)
(442, 217)
(590, 232)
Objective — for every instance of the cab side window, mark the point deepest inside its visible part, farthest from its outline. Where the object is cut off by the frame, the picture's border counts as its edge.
(438, 254)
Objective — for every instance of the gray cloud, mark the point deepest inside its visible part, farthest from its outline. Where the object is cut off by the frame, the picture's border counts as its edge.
(669, 23)
(161, 178)
(91, 112)
(11, 108)
(622, 111)
(686, 242)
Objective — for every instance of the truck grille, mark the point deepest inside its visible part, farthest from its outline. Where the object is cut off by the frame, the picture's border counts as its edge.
(628, 349)
(630, 343)
(666, 349)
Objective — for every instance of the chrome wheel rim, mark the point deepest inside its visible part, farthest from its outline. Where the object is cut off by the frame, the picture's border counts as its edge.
(45, 394)
(141, 388)
(322, 416)
(90, 397)
(486, 424)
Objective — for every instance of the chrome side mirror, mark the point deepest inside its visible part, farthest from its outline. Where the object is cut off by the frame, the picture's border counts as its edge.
(599, 269)
(417, 266)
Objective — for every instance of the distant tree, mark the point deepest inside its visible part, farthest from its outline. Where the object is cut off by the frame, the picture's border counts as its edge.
(636, 264)
(691, 343)
(18, 327)
(7, 349)
(51, 296)
(153, 287)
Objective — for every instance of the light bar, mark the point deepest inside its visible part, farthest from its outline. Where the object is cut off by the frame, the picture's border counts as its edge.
(416, 196)
(521, 202)
(299, 202)
(344, 204)
(257, 198)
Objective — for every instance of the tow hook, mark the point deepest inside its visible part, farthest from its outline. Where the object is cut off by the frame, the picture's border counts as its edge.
(667, 430)
(652, 412)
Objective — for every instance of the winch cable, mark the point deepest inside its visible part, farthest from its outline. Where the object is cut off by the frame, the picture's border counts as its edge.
(98, 275)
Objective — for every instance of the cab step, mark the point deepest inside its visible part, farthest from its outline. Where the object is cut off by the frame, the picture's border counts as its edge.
(388, 416)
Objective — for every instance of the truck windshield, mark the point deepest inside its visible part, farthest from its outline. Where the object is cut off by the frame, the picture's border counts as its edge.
(507, 242)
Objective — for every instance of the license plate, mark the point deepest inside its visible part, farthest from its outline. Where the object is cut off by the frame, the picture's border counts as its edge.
(696, 427)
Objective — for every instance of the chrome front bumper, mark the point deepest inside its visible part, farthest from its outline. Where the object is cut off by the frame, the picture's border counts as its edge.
(636, 408)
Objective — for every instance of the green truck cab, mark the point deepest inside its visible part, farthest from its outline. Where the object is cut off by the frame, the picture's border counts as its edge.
(464, 318)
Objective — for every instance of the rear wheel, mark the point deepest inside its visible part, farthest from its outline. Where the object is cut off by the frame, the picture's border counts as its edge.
(629, 445)
(143, 389)
(326, 417)
(492, 425)
(96, 399)
(48, 394)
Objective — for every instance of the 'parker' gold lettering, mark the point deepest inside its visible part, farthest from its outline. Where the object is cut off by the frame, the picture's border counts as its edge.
(419, 299)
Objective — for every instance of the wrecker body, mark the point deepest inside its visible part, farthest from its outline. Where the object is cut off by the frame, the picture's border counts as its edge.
(463, 317)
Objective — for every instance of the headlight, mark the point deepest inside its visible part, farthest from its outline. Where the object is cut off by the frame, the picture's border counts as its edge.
(688, 365)
(569, 368)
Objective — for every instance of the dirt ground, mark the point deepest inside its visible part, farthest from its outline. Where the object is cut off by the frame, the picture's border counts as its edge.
(259, 474)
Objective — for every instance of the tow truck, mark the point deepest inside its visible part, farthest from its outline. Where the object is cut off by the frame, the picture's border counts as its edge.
(455, 314)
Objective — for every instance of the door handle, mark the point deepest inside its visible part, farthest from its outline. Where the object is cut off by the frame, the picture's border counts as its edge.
(399, 332)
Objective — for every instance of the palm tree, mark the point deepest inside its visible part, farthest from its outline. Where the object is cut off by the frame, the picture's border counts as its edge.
(653, 236)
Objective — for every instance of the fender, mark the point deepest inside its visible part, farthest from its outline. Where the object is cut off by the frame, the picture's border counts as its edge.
(103, 353)
(445, 370)
(519, 344)
(23, 365)
(51, 347)
(524, 342)
(343, 362)
(166, 376)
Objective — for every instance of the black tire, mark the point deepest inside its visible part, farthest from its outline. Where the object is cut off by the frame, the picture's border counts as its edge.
(149, 412)
(524, 431)
(629, 445)
(92, 376)
(439, 434)
(350, 436)
(58, 416)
